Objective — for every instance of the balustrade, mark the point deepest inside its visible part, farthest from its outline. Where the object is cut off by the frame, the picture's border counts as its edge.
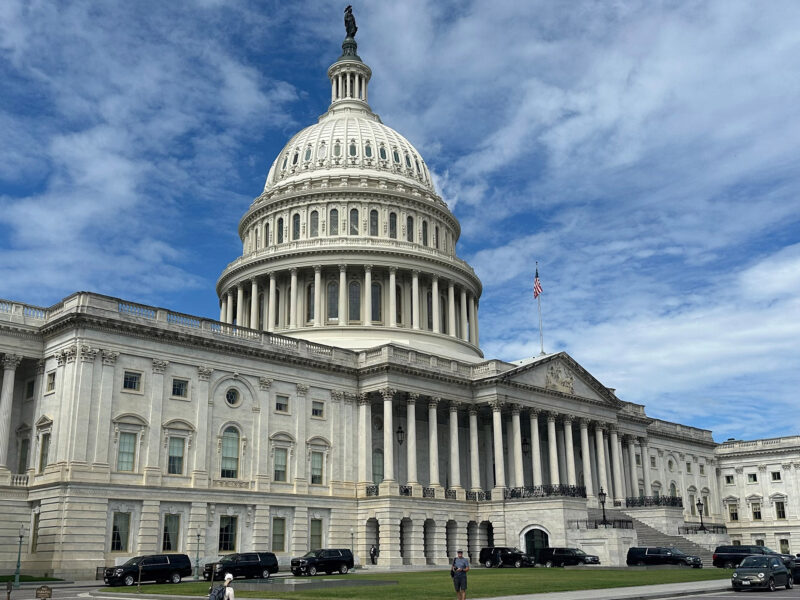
(675, 501)
(542, 491)
(372, 490)
(405, 490)
(450, 494)
(428, 492)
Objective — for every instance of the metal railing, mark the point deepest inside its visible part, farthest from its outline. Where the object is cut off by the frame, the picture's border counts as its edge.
(599, 524)
(428, 492)
(634, 501)
(450, 494)
(372, 490)
(479, 496)
(694, 529)
(543, 491)
(405, 490)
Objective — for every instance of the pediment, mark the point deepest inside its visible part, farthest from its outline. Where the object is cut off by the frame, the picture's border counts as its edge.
(44, 421)
(561, 374)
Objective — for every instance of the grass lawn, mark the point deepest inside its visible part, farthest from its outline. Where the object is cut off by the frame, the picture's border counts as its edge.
(483, 583)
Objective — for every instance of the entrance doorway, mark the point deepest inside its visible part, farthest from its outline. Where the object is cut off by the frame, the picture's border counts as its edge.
(535, 540)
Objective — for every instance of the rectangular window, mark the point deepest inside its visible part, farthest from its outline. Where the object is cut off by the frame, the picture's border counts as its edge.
(50, 386)
(736, 542)
(702, 469)
(180, 388)
(759, 542)
(752, 478)
(728, 479)
(132, 381)
(693, 507)
(172, 527)
(24, 448)
(278, 534)
(175, 460)
(317, 409)
(705, 505)
(30, 386)
(120, 530)
(282, 403)
(316, 468)
(733, 512)
(44, 451)
(688, 467)
(126, 451)
(653, 462)
(315, 537)
(780, 510)
(638, 460)
(784, 544)
(756, 511)
(280, 464)
(227, 533)
(35, 533)
(776, 475)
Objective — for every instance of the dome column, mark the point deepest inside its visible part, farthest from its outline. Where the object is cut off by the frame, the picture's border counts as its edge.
(367, 317)
(293, 300)
(392, 297)
(229, 308)
(223, 308)
(342, 294)
(464, 320)
(239, 304)
(433, 443)
(451, 309)
(435, 303)
(473, 321)
(317, 296)
(455, 464)
(270, 324)
(474, 458)
(254, 304)
(415, 299)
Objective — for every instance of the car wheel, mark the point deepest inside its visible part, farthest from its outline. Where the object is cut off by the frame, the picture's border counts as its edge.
(548, 564)
(581, 563)
(175, 578)
(129, 580)
(727, 565)
(640, 563)
(295, 572)
(343, 569)
(789, 582)
(265, 574)
(771, 584)
(517, 564)
(312, 571)
(488, 564)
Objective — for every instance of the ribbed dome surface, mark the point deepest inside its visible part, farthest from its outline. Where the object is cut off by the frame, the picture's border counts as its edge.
(346, 144)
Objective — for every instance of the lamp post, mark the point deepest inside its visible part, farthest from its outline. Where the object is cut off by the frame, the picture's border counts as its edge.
(699, 506)
(601, 495)
(352, 547)
(19, 557)
(526, 446)
(400, 435)
(197, 558)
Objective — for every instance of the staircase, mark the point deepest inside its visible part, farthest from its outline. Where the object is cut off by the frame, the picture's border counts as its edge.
(648, 536)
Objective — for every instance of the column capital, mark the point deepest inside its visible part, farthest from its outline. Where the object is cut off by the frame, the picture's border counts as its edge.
(87, 353)
(455, 405)
(600, 425)
(337, 396)
(317, 268)
(342, 268)
(515, 409)
(264, 383)
(302, 389)
(204, 373)
(159, 366)
(412, 398)
(434, 277)
(567, 419)
(231, 291)
(388, 393)
(368, 268)
(551, 416)
(642, 441)
(584, 422)
(40, 367)
(433, 401)
(534, 413)
(272, 276)
(612, 429)
(110, 357)
(293, 270)
(629, 439)
(362, 399)
(11, 361)
(472, 410)
(393, 270)
(497, 405)
(415, 272)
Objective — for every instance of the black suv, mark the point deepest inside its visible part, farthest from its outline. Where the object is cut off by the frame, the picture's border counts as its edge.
(154, 567)
(729, 557)
(246, 564)
(499, 556)
(661, 556)
(327, 560)
(560, 557)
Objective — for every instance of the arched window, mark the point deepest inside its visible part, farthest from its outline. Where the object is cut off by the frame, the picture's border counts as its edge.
(396, 156)
(354, 301)
(334, 222)
(377, 466)
(333, 301)
(373, 222)
(322, 151)
(295, 226)
(377, 314)
(410, 229)
(280, 230)
(381, 153)
(295, 157)
(393, 225)
(424, 233)
(277, 322)
(229, 467)
(266, 234)
(429, 301)
(398, 294)
(436, 236)
(314, 224)
(353, 148)
(285, 160)
(337, 149)
(353, 221)
(673, 491)
(408, 160)
(310, 302)
(368, 150)
(307, 155)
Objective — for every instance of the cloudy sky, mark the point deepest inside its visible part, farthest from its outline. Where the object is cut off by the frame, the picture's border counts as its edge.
(647, 154)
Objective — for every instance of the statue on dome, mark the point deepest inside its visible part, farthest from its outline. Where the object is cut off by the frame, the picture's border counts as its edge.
(350, 22)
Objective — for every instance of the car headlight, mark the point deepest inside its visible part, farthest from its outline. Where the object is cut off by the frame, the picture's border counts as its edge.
(735, 575)
(761, 576)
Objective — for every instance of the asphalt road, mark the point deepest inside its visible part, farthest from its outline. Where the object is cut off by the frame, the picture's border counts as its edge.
(745, 595)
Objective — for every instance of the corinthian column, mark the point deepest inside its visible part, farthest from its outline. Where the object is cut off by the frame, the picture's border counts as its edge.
(616, 466)
(343, 316)
(10, 363)
(451, 309)
(464, 316)
(388, 433)
(317, 296)
(367, 295)
(254, 305)
(602, 475)
(632, 464)
(455, 467)
(571, 480)
(433, 442)
(536, 451)
(552, 448)
(415, 299)
(293, 300)
(519, 474)
(229, 308)
(435, 303)
(474, 462)
(364, 411)
(411, 423)
(240, 305)
(270, 324)
(393, 297)
(499, 462)
(587, 462)
(646, 466)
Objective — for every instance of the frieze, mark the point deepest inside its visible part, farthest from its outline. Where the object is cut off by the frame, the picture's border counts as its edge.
(559, 379)
(264, 383)
(110, 358)
(302, 389)
(204, 373)
(159, 366)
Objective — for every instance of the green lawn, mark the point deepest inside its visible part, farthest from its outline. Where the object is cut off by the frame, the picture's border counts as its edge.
(483, 583)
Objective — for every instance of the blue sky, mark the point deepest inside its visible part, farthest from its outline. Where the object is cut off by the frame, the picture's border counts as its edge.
(647, 154)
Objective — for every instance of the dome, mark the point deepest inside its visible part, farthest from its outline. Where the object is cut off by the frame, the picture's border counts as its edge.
(349, 143)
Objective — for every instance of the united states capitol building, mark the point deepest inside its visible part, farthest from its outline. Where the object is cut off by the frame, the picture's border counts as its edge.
(342, 400)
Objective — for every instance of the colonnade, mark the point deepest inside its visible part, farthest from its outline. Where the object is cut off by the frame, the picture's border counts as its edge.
(354, 295)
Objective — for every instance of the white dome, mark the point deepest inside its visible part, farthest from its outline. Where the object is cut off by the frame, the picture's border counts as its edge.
(348, 143)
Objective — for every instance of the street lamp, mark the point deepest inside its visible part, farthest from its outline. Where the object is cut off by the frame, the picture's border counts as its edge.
(526, 446)
(601, 495)
(19, 557)
(699, 506)
(400, 435)
(352, 547)
(197, 558)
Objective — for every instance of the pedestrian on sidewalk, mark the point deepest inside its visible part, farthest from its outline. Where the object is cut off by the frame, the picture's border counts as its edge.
(373, 553)
(459, 573)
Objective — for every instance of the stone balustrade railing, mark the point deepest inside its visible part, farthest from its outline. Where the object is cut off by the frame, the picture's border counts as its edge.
(542, 491)
(636, 501)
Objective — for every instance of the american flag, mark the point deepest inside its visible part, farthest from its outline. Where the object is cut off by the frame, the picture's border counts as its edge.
(537, 285)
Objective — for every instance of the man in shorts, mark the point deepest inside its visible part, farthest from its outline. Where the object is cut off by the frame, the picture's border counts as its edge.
(460, 568)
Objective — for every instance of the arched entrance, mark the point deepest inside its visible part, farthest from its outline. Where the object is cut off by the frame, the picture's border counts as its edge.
(535, 540)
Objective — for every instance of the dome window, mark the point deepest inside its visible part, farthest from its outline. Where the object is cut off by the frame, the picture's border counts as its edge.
(314, 225)
(337, 149)
(393, 225)
(280, 230)
(334, 222)
(410, 229)
(382, 152)
(285, 160)
(424, 233)
(396, 156)
(353, 149)
(373, 222)
(295, 227)
(408, 161)
(416, 162)
(295, 157)
(353, 221)
(322, 151)
(307, 156)
(368, 150)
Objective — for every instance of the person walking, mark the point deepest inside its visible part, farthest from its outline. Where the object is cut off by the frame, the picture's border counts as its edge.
(229, 593)
(373, 553)
(460, 568)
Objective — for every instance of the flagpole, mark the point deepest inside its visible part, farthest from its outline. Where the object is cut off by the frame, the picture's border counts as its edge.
(539, 305)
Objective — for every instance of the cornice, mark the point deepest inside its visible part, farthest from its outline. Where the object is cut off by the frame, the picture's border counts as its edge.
(414, 371)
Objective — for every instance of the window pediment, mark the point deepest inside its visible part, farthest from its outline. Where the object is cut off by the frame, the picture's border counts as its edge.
(129, 419)
(178, 425)
(43, 422)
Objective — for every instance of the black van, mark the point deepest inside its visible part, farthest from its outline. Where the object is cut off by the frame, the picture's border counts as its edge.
(658, 555)
(244, 564)
(499, 556)
(326, 559)
(154, 567)
(561, 557)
